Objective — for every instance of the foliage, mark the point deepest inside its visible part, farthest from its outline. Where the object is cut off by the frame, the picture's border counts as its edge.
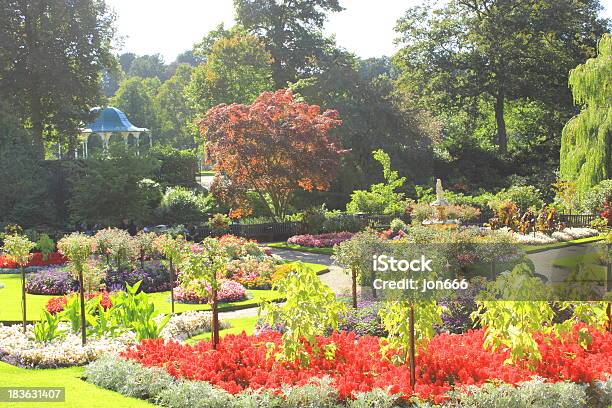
(383, 197)
(464, 58)
(17, 248)
(237, 70)
(274, 147)
(595, 197)
(117, 246)
(177, 167)
(310, 308)
(154, 277)
(525, 197)
(74, 41)
(175, 115)
(106, 190)
(228, 291)
(363, 321)
(46, 246)
(292, 33)
(586, 156)
(251, 272)
(219, 224)
(144, 245)
(135, 98)
(47, 328)
(180, 206)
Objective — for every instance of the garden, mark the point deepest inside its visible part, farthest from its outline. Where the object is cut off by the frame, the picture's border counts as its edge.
(274, 217)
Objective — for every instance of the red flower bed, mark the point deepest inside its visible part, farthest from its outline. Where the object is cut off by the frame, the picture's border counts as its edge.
(57, 304)
(36, 259)
(449, 360)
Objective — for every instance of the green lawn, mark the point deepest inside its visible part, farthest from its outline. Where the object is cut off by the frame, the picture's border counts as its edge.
(207, 173)
(589, 260)
(78, 392)
(284, 245)
(246, 324)
(530, 249)
(10, 299)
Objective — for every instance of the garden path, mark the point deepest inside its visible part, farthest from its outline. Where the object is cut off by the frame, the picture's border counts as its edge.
(544, 261)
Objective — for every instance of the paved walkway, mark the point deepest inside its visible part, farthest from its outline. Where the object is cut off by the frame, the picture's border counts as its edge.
(544, 261)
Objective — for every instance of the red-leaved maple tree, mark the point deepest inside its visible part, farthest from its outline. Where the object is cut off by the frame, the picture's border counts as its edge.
(272, 147)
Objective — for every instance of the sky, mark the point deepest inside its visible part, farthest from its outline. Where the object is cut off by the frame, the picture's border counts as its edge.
(365, 27)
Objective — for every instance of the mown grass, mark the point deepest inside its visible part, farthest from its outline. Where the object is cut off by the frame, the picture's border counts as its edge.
(530, 249)
(293, 247)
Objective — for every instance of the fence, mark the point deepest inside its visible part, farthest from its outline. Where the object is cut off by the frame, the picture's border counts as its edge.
(577, 220)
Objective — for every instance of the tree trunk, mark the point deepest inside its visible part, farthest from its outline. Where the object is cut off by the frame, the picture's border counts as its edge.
(502, 136)
(354, 288)
(215, 319)
(412, 348)
(23, 297)
(171, 285)
(82, 296)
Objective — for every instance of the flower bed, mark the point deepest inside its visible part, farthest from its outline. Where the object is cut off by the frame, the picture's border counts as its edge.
(568, 234)
(23, 350)
(229, 291)
(36, 259)
(50, 281)
(449, 361)
(57, 304)
(252, 273)
(155, 277)
(321, 240)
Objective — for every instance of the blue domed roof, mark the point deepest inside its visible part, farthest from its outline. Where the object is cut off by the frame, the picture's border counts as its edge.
(111, 120)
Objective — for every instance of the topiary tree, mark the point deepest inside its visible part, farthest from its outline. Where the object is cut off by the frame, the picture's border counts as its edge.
(17, 248)
(78, 248)
(586, 141)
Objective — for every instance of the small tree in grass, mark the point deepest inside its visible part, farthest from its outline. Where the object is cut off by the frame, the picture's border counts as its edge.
(310, 310)
(174, 250)
(17, 248)
(78, 248)
(201, 271)
(356, 256)
(145, 245)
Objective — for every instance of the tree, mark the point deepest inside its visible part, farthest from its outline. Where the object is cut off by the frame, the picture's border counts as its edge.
(176, 117)
(17, 248)
(148, 66)
(135, 98)
(373, 118)
(586, 145)
(237, 70)
(494, 51)
(291, 30)
(51, 56)
(273, 147)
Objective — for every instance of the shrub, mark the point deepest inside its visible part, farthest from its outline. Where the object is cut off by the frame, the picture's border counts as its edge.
(182, 206)
(177, 167)
(525, 197)
(314, 219)
(110, 372)
(146, 383)
(46, 246)
(363, 321)
(219, 224)
(51, 282)
(596, 196)
(239, 248)
(188, 394)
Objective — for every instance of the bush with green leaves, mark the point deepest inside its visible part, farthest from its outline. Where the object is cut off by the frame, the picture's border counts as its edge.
(382, 198)
(594, 199)
(116, 246)
(525, 197)
(46, 245)
(180, 205)
(177, 167)
(310, 310)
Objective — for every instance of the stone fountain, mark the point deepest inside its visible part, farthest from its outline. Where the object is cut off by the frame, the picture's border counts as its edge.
(440, 205)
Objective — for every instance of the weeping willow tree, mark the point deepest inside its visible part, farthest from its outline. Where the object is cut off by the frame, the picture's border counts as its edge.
(586, 141)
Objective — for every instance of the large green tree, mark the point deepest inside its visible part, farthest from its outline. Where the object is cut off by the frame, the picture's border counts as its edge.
(135, 98)
(586, 145)
(292, 32)
(466, 53)
(362, 92)
(237, 70)
(176, 116)
(51, 55)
